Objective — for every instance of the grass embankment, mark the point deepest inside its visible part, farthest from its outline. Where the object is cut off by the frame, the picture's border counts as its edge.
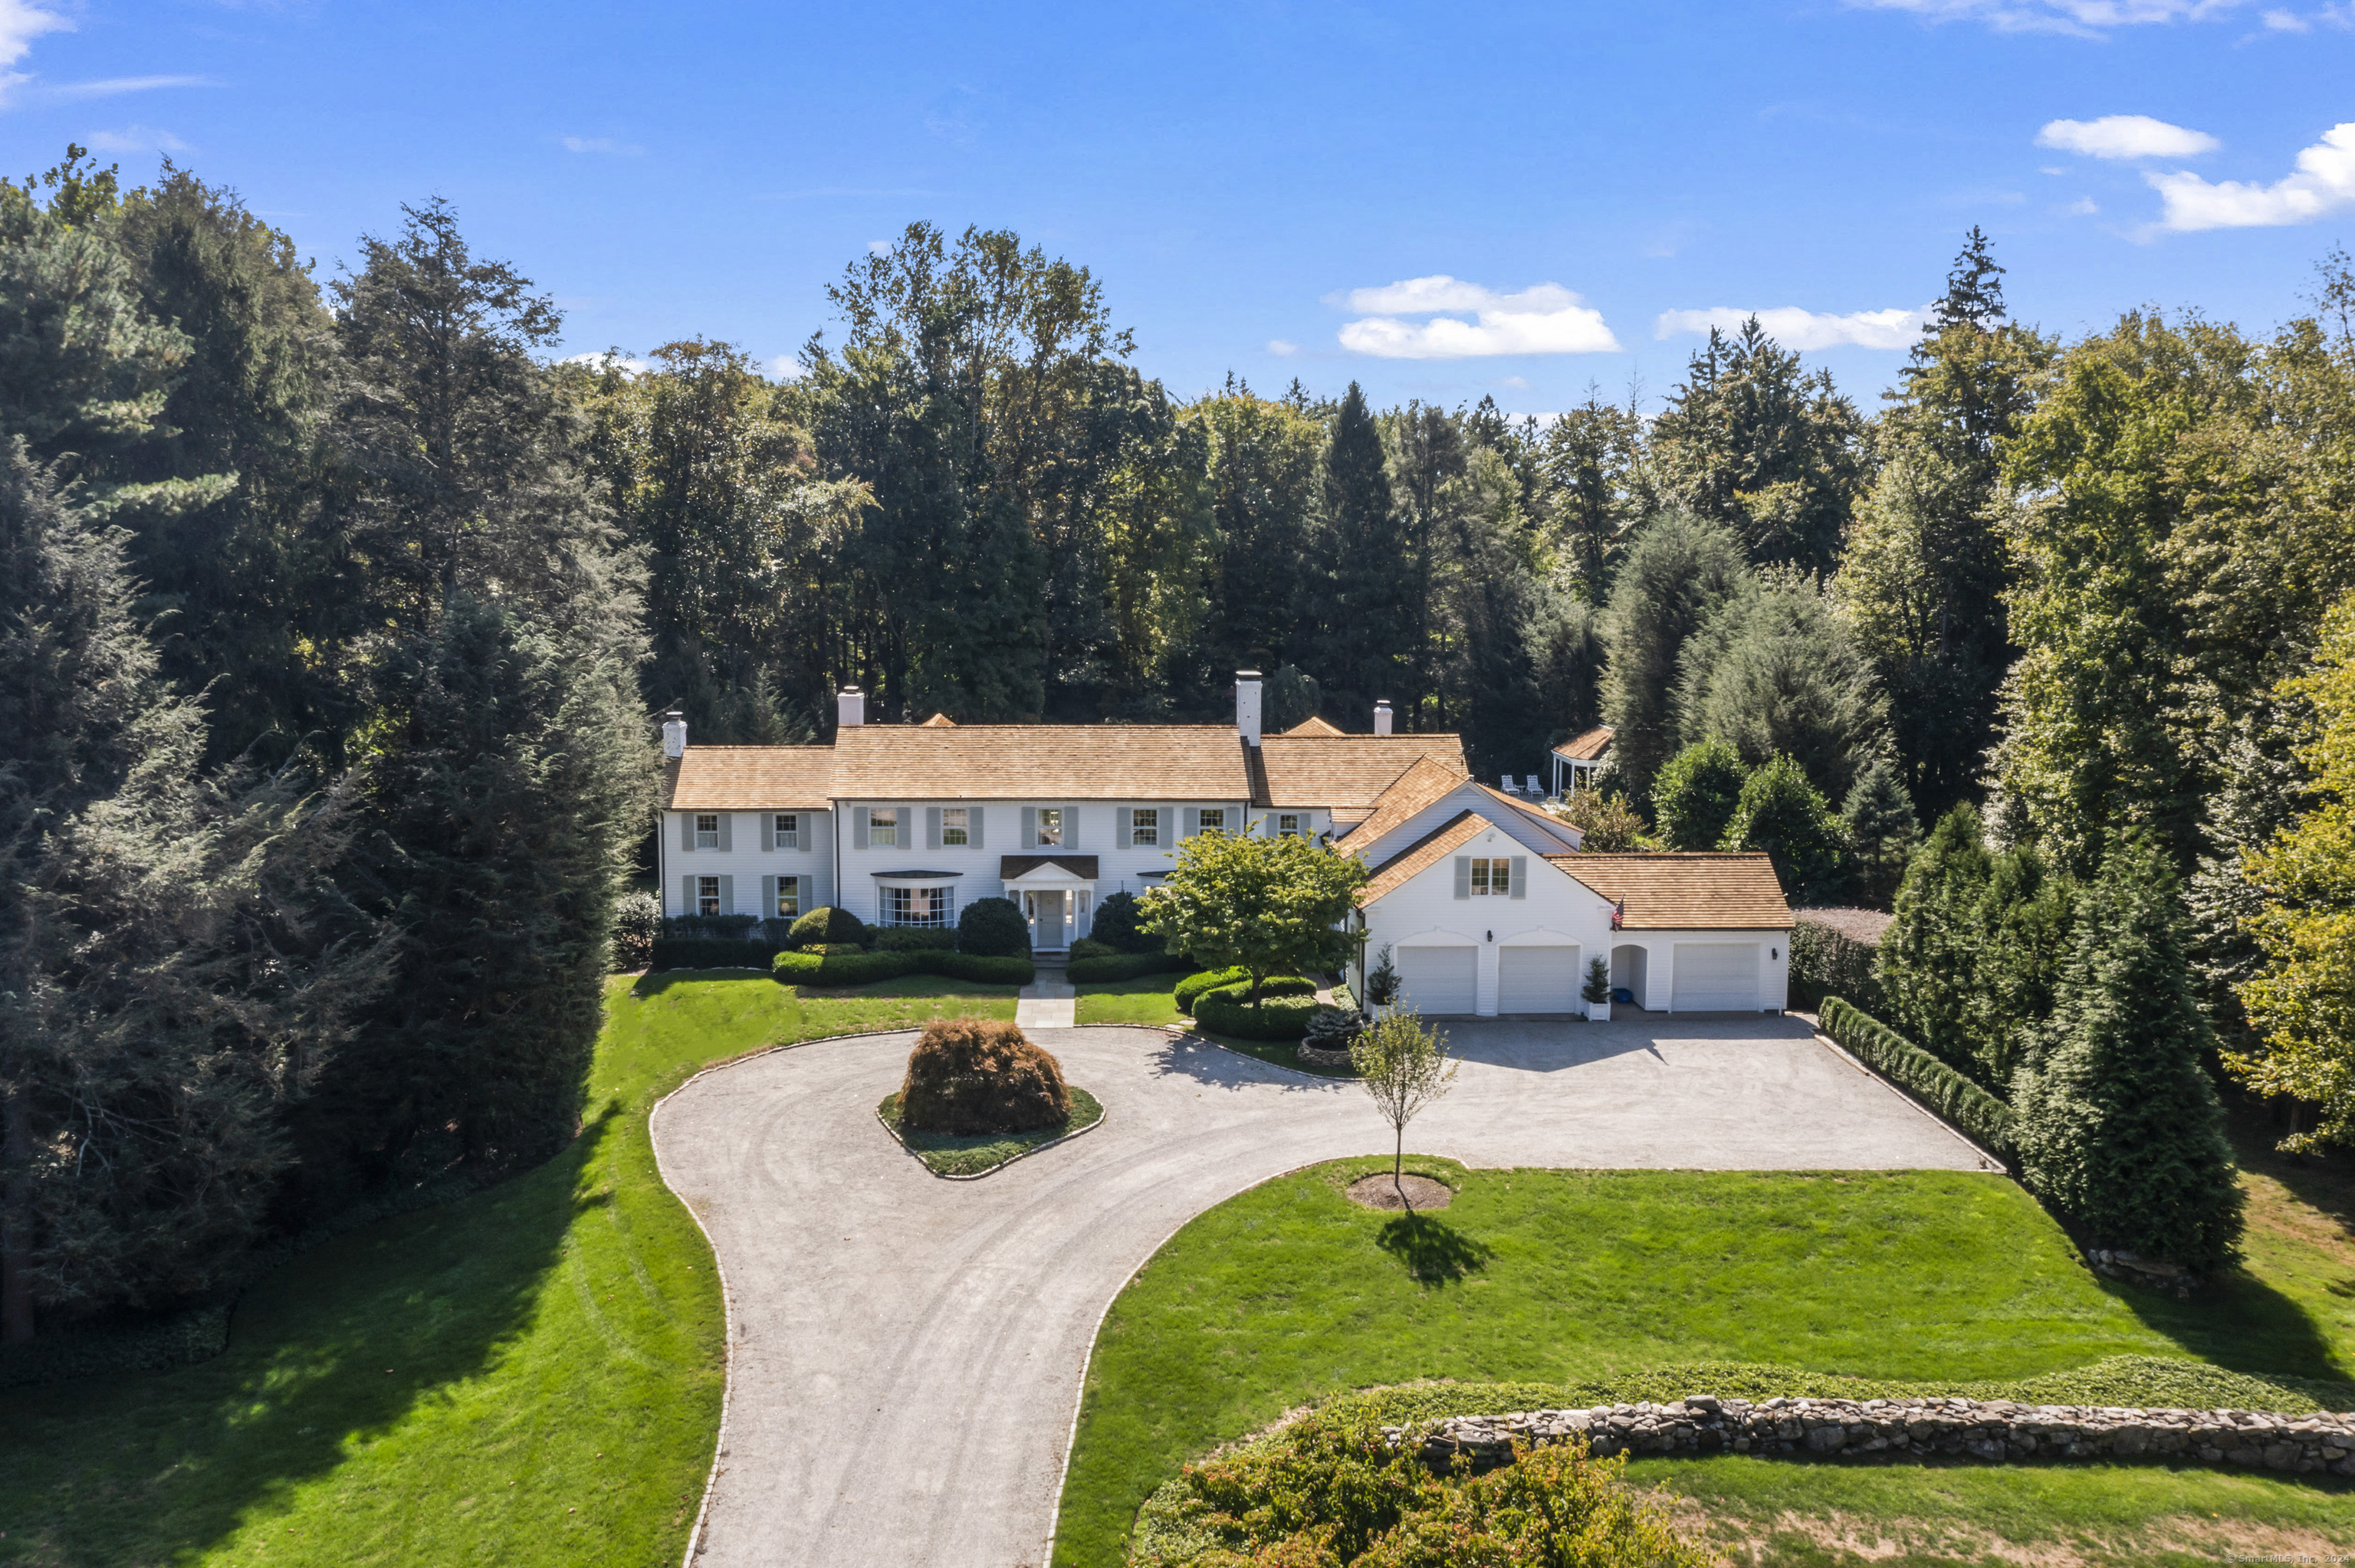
(1288, 1293)
(531, 1375)
(1149, 999)
(948, 1154)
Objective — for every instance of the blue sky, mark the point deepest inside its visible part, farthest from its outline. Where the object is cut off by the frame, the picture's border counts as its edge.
(1437, 201)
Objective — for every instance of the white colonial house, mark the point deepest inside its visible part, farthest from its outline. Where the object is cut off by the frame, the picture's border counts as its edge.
(906, 824)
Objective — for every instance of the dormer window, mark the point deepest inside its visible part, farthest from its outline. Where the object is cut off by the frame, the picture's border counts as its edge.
(706, 830)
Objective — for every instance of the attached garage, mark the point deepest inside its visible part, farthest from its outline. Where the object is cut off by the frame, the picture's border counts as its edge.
(1535, 978)
(1440, 979)
(1716, 977)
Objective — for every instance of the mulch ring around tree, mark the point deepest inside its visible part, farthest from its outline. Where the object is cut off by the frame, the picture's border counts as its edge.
(1381, 1191)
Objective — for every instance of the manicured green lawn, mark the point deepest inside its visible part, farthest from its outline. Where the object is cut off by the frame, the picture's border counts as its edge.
(1147, 999)
(1288, 1293)
(948, 1154)
(531, 1375)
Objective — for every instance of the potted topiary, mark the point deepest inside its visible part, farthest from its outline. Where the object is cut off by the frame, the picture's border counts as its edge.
(1596, 993)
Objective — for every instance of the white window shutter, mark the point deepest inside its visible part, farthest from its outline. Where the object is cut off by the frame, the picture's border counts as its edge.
(768, 897)
(726, 885)
(973, 826)
(686, 833)
(932, 827)
(1030, 827)
(858, 827)
(1521, 876)
(1462, 877)
(727, 819)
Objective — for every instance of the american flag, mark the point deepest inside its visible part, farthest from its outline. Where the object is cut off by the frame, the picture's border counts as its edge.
(1619, 915)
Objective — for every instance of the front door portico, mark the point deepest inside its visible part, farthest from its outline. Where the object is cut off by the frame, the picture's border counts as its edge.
(1055, 893)
(1044, 908)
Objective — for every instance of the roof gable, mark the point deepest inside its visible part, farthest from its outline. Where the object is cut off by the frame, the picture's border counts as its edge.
(1348, 772)
(1587, 745)
(751, 777)
(1313, 725)
(1686, 891)
(1428, 784)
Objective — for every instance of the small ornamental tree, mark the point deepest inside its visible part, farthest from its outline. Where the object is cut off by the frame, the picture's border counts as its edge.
(1780, 812)
(1404, 1067)
(1266, 906)
(1606, 824)
(1598, 980)
(1696, 795)
(2117, 1126)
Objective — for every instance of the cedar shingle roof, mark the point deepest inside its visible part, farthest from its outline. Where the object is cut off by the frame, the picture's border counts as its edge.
(1426, 852)
(1348, 770)
(751, 778)
(940, 721)
(1686, 891)
(1413, 790)
(1040, 762)
(1313, 725)
(1587, 746)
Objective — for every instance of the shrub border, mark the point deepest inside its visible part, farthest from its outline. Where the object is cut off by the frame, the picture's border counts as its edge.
(1977, 1118)
(1103, 1114)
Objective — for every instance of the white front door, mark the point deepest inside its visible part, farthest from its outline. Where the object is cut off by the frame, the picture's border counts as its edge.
(1046, 912)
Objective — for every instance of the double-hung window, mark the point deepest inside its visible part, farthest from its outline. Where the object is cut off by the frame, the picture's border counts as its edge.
(1144, 826)
(706, 831)
(957, 826)
(1050, 828)
(789, 898)
(1492, 878)
(883, 827)
(1214, 820)
(706, 895)
(1288, 826)
(788, 830)
(927, 907)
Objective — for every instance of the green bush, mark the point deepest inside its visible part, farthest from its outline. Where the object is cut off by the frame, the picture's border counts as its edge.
(969, 1075)
(1826, 963)
(914, 939)
(827, 924)
(1277, 1017)
(1128, 966)
(995, 929)
(866, 969)
(1929, 1080)
(1187, 990)
(834, 949)
(1089, 948)
(1115, 926)
(1334, 1028)
(709, 953)
(637, 922)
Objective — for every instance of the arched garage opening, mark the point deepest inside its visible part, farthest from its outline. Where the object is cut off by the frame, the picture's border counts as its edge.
(1629, 966)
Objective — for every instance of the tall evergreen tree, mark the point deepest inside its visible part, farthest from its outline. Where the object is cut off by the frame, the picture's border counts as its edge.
(1929, 955)
(1676, 571)
(1694, 797)
(1368, 612)
(1775, 670)
(2119, 1128)
(1779, 812)
(1881, 825)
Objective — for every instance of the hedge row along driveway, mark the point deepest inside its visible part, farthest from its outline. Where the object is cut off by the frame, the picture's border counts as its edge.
(908, 1351)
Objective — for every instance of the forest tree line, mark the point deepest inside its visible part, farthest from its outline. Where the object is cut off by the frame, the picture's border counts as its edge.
(333, 615)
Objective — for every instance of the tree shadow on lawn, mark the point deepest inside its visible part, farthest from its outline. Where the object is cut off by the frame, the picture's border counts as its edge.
(657, 981)
(1434, 1251)
(325, 1353)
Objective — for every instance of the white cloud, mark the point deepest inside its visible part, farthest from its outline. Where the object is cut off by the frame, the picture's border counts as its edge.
(879, 247)
(1545, 319)
(1804, 330)
(2325, 181)
(20, 24)
(1283, 348)
(2126, 136)
(606, 145)
(2085, 207)
(783, 368)
(2087, 18)
(604, 358)
(116, 86)
(136, 139)
(2331, 16)
(1518, 383)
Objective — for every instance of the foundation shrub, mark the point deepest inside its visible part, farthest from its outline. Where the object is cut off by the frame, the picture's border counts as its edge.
(994, 927)
(856, 968)
(827, 924)
(914, 939)
(1089, 948)
(1128, 966)
(1828, 962)
(1115, 926)
(970, 1076)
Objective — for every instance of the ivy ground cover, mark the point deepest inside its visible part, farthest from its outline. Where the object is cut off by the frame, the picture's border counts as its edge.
(1289, 1294)
(530, 1375)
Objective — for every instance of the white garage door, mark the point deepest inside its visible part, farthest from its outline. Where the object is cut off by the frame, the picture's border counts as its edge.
(1537, 980)
(1716, 977)
(1439, 979)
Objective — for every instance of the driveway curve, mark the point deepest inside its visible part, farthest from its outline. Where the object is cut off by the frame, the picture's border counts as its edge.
(908, 1351)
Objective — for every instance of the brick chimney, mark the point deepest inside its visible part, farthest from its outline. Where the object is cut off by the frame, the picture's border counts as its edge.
(850, 708)
(1382, 717)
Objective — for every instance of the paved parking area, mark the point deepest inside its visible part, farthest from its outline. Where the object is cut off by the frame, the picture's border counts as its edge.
(908, 1351)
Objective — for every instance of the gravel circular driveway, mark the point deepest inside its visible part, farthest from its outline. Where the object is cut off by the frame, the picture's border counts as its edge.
(908, 1351)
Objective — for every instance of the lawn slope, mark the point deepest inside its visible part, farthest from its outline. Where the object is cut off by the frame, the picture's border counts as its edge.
(529, 1376)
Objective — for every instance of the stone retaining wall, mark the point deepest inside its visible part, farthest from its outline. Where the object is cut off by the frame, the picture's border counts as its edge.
(1992, 1431)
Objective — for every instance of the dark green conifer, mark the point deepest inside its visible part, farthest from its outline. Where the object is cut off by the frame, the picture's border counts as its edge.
(1694, 799)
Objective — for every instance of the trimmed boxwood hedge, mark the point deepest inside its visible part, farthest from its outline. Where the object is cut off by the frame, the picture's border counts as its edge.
(1223, 1011)
(1128, 966)
(710, 953)
(866, 969)
(1929, 1080)
(1189, 991)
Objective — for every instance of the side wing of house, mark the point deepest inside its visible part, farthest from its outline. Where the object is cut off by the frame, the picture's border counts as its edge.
(747, 830)
(1699, 933)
